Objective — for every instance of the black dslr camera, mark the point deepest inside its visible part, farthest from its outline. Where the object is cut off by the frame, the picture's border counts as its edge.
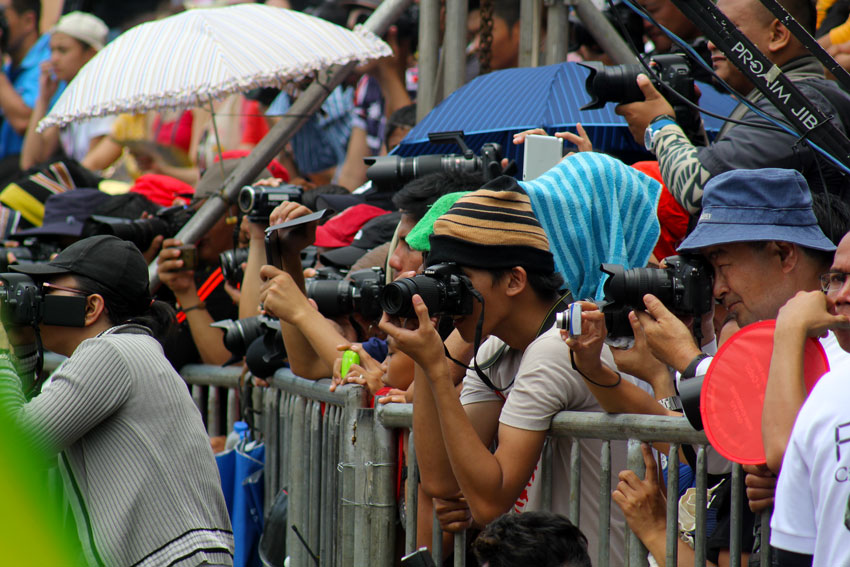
(388, 173)
(672, 72)
(359, 293)
(259, 202)
(141, 232)
(258, 339)
(231, 265)
(444, 288)
(684, 287)
(22, 304)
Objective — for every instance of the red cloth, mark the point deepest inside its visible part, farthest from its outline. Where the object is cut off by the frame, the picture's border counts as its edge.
(672, 217)
(341, 229)
(254, 125)
(162, 189)
(177, 133)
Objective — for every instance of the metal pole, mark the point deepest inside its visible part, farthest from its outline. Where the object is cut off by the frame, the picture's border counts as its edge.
(575, 482)
(277, 138)
(603, 32)
(604, 542)
(635, 550)
(429, 56)
(672, 545)
(557, 34)
(529, 33)
(454, 46)
(700, 536)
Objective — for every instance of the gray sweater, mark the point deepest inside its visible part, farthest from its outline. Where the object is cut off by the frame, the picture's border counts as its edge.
(137, 464)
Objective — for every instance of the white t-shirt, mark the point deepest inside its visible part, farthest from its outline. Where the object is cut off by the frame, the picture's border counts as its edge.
(812, 511)
(546, 384)
(76, 137)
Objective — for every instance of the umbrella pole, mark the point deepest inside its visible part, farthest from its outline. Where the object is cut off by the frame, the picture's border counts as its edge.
(217, 138)
(277, 138)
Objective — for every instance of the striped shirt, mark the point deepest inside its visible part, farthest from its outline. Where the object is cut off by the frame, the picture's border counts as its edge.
(139, 472)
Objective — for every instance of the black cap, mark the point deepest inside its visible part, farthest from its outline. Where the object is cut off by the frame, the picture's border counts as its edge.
(114, 263)
(372, 234)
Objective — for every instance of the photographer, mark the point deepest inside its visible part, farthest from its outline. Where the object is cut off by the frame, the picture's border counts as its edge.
(502, 252)
(132, 448)
(686, 168)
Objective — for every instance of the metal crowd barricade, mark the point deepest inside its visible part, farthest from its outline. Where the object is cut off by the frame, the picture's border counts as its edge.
(337, 460)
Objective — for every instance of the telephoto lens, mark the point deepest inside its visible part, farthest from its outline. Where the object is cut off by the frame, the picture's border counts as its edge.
(444, 288)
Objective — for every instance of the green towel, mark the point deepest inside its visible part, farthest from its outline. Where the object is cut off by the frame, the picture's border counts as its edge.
(418, 237)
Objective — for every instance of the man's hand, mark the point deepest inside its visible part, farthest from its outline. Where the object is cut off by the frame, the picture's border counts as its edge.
(369, 372)
(48, 84)
(169, 267)
(280, 296)
(668, 338)
(454, 515)
(809, 312)
(298, 238)
(642, 502)
(761, 487)
(587, 347)
(640, 114)
(641, 363)
(581, 140)
(417, 338)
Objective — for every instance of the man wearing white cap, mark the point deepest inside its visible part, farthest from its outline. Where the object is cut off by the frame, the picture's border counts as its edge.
(76, 38)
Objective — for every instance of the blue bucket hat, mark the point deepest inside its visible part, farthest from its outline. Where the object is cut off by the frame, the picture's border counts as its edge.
(754, 205)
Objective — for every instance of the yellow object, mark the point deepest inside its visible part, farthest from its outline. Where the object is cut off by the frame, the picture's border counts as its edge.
(840, 34)
(823, 7)
(18, 199)
(114, 187)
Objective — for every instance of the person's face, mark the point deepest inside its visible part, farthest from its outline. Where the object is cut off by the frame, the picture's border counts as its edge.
(67, 55)
(749, 22)
(841, 298)
(669, 16)
(217, 239)
(747, 281)
(504, 49)
(404, 259)
(494, 303)
(19, 25)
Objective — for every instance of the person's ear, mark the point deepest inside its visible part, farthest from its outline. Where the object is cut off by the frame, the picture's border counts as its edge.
(780, 36)
(517, 281)
(787, 253)
(95, 307)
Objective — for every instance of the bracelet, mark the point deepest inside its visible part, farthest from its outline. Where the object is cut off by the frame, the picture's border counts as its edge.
(595, 383)
(199, 305)
(691, 370)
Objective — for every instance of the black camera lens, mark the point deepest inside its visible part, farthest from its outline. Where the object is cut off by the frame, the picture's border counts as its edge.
(231, 265)
(332, 297)
(611, 83)
(246, 199)
(442, 290)
(629, 286)
(239, 334)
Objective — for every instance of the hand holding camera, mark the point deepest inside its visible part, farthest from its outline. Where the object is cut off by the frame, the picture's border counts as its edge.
(175, 265)
(668, 337)
(298, 238)
(586, 344)
(280, 296)
(418, 338)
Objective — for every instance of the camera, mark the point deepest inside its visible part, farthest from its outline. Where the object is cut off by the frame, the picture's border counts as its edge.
(32, 251)
(672, 72)
(141, 232)
(360, 293)
(258, 202)
(388, 173)
(443, 287)
(231, 265)
(258, 339)
(22, 304)
(684, 287)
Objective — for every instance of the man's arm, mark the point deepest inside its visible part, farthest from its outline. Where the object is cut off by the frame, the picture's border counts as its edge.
(15, 111)
(353, 170)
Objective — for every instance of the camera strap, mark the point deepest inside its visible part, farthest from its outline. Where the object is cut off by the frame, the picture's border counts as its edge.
(547, 323)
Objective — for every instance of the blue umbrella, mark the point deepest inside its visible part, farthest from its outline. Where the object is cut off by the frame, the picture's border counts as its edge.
(494, 107)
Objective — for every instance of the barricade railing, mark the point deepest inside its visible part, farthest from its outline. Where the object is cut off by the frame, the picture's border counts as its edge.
(337, 460)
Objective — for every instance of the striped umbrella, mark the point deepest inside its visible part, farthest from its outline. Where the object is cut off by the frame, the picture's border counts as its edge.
(185, 60)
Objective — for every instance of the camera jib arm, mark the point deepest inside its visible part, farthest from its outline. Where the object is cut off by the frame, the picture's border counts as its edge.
(802, 115)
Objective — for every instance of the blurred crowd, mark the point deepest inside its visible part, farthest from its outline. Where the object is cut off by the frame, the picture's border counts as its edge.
(470, 291)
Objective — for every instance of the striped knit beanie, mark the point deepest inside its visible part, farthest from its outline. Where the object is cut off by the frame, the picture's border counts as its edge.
(492, 228)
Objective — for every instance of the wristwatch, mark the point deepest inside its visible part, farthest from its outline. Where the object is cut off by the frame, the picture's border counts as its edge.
(673, 403)
(651, 132)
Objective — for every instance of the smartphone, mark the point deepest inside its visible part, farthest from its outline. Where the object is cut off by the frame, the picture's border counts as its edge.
(189, 255)
(540, 154)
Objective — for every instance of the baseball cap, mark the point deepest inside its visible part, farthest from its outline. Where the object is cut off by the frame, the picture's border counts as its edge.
(65, 213)
(752, 205)
(84, 27)
(341, 229)
(114, 263)
(374, 233)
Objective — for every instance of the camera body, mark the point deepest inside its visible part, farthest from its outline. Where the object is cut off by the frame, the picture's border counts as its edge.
(141, 232)
(22, 304)
(444, 288)
(388, 173)
(258, 202)
(618, 83)
(684, 286)
(360, 293)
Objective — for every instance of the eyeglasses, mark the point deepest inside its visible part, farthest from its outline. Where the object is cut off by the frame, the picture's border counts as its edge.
(833, 282)
(47, 287)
